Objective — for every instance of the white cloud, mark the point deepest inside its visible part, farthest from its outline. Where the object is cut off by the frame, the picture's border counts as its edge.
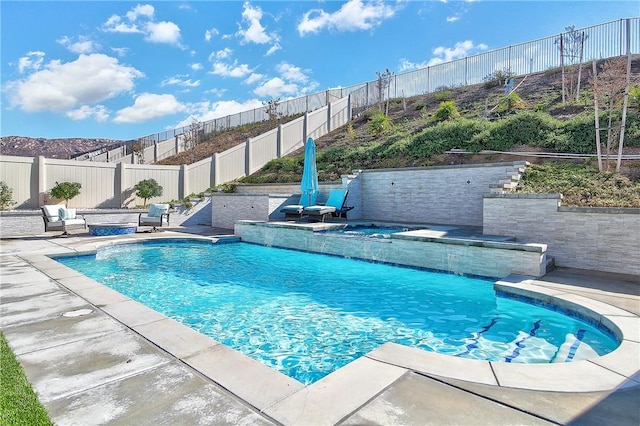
(163, 32)
(179, 81)
(120, 51)
(83, 45)
(217, 92)
(275, 88)
(140, 19)
(460, 50)
(354, 15)
(234, 70)
(145, 10)
(254, 77)
(196, 66)
(273, 49)
(406, 65)
(32, 62)
(62, 86)
(99, 112)
(453, 18)
(115, 25)
(208, 34)
(292, 73)
(149, 106)
(254, 32)
(221, 54)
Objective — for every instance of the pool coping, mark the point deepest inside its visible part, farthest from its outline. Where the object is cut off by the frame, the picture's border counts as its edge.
(345, 390)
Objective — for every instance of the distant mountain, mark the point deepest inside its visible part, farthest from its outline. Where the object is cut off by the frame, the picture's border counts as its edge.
(63, 148)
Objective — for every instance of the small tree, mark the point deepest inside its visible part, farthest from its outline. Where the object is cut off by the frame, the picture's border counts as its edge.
(571, 46)
(65, 191)
(147, 188)
(384, 83)
(193, 137)
(609, 88)
(271, 108)
(6, 196)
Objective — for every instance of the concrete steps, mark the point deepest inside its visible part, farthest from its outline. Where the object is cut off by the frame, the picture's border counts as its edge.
(510, 180)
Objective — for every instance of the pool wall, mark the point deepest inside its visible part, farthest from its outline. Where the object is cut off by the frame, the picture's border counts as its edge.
(473, 257)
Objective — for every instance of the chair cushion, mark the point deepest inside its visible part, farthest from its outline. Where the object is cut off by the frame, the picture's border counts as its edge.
(292, 208)
(150, 219)
(336, 198)
(157, 210)
(51, 211)
(319, 209)
(70, 222)
(65, 214)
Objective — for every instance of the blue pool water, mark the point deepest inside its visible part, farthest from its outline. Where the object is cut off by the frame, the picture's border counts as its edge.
(307, 315)
(365, 231)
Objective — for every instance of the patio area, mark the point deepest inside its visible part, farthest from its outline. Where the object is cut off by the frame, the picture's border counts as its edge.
(96, 357)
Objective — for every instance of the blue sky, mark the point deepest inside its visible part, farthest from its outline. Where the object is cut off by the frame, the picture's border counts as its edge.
(123, 70)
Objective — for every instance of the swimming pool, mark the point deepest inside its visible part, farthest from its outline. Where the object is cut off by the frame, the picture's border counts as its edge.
(307, 315)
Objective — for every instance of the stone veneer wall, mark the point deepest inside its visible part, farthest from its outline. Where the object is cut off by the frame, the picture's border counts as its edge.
(450, 195)
(603, 239)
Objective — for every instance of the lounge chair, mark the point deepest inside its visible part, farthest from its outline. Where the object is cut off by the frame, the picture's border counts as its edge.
(335, 206)
(158, 215)
(294, 211)
(57, 217)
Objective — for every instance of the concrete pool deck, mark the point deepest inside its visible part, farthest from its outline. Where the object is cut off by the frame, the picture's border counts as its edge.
(96, 357)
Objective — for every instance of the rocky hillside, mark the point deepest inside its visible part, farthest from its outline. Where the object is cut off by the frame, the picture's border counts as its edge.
(63, 148)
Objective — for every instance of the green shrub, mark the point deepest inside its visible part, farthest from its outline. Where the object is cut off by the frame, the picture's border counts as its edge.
(351, 133)
(634, 97)
(147, 188)
(510, 102)
(446, 111)
(524, 128)
(65, 191)
(632, 130)
(498, 78)
(379, 123)
(229, 187)
(444, 136)
(6, 196)
(442, 94)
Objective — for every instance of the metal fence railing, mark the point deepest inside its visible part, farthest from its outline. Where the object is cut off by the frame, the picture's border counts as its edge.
(600, 41)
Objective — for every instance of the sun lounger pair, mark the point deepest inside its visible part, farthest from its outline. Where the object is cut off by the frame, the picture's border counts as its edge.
(335, 207)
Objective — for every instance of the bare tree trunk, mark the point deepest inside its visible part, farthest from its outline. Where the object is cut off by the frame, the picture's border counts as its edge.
(624, 112)
(562, 66)
(580, 66)
(609, 135)
(597, 120)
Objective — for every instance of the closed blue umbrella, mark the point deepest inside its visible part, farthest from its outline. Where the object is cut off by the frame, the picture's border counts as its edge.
(309, 184)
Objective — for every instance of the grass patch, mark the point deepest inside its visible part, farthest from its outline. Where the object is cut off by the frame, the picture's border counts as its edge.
(19, 404)
(581, 185)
